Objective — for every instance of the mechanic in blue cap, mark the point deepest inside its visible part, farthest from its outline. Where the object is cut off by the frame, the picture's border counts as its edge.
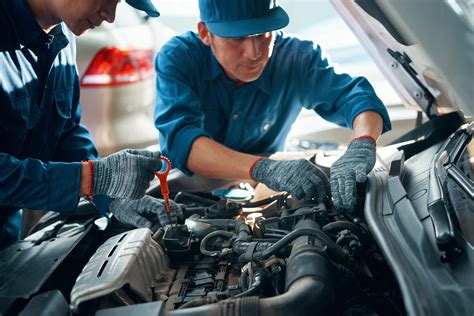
(233, 89)
(42, 142)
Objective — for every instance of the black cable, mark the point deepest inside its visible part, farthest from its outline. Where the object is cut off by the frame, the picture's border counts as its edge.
(336, 227)
(265, 201)
(334, 250)
(275, 230)
(254, 287)
(204, 241)
(243, 282)
(279, 236)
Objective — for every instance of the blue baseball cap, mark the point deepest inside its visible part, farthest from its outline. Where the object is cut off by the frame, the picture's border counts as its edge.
(144, 5)
(240, 18)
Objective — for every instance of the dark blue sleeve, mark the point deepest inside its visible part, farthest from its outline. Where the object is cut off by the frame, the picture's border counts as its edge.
(178, 114)
(336, 97)
(76, 144)
(31, 183)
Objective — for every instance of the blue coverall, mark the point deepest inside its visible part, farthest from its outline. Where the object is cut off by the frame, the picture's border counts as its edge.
(195, 98)
(40, 133)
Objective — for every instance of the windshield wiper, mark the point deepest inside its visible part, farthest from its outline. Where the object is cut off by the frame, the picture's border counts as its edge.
(442, 223)
(442, 167)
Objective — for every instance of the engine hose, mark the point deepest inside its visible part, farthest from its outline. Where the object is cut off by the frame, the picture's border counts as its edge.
(196, 302)
(265, 201)
(255, 287)
(310, 289)
(285, 241)
(306, 296)
(335, 227)
(334, 250)
(202, 246)
(243, 279)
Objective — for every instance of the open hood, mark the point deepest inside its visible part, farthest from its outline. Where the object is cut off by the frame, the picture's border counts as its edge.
(423, 48)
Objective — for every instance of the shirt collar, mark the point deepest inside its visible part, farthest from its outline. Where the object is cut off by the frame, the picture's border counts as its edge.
(213, 67)
(28, 31)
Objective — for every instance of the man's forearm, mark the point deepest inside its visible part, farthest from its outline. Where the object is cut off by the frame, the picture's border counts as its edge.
(367, 123)
(214, 160)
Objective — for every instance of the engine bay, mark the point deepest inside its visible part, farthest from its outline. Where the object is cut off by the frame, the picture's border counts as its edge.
(278, 256)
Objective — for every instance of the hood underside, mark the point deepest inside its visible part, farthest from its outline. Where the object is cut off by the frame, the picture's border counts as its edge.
(423, 48)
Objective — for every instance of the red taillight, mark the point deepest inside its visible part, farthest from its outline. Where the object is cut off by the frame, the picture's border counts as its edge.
(113, 66)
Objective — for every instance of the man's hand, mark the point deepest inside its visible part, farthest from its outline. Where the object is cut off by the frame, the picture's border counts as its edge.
(352, 167)
(126, 174)
(300, 178)
(144, 212)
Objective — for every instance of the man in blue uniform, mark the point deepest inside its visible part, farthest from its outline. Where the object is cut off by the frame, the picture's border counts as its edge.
(233, 90)
(42, 142)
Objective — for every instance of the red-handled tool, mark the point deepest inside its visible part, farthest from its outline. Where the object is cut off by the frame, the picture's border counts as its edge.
(164, 184)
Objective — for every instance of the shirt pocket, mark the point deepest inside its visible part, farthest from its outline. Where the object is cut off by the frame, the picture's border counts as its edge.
(61, 112)
(56, 121)
(63, 103)
(21, 114)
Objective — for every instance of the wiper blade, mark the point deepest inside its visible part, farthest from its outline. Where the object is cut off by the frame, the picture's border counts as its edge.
(442, 167)
(442, 223)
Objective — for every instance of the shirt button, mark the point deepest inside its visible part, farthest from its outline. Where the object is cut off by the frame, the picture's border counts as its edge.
(266, 126)
(235, 117)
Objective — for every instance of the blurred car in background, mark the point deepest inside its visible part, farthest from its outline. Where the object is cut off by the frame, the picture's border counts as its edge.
(116, 70)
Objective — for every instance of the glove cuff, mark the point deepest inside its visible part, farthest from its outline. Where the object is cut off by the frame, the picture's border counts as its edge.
(100, 181)
(366, 137)
(253, 166)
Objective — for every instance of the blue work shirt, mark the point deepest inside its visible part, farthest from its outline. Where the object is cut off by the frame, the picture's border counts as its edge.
(41, 140)
(195, 98)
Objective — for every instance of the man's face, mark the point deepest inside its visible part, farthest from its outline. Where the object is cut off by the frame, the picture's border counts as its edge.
(243, 59)
(82, 15)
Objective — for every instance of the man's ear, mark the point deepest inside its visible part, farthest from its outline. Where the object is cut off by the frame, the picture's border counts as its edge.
(204, 33)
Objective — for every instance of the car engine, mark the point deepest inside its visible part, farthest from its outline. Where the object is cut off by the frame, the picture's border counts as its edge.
(276, 256)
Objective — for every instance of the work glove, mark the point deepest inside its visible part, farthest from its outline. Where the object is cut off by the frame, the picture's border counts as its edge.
(300, 178)
(125, 174)
(352, 168)
(145, 212)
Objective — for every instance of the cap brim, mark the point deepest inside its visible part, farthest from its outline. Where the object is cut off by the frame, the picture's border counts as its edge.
(274, 20)
(144, 5)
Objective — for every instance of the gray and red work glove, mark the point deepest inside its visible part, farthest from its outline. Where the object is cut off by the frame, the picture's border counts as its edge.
(352, 168)
(125, 174)
(300, 178)
(145, 212)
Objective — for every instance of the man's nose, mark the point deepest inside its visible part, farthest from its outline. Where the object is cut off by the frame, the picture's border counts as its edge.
(107, 13)
(252, 48)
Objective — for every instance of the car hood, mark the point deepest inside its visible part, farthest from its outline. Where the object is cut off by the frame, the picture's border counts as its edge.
(423, 48)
